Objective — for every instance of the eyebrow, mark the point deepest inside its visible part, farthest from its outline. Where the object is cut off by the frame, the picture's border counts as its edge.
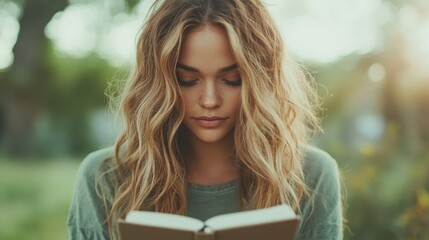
(192, 69)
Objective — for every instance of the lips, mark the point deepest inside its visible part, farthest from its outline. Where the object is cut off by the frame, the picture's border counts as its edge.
(210, 121)
(210, 118)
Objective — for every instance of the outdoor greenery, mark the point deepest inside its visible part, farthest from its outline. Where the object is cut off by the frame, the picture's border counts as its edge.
(35, 197)
(386, 194)
(54, 108)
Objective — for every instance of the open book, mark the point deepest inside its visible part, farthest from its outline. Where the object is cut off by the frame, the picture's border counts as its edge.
(274, 223)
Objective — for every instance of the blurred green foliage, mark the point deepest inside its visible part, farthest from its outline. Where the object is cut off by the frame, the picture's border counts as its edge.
(386, 192)
(385, 178)
(76, 88)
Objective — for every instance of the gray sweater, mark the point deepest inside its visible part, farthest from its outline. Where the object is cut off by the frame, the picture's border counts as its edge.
(87, 219)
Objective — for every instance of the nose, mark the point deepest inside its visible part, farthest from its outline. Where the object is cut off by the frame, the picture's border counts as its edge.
(210, 97)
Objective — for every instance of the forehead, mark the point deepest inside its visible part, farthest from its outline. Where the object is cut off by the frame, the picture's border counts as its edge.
(206, 48)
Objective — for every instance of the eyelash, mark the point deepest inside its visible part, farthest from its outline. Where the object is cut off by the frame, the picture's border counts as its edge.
(236, 83)
(186, 83)
(191, 83)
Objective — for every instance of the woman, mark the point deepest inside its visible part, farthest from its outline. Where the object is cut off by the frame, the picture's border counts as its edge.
(217, 118)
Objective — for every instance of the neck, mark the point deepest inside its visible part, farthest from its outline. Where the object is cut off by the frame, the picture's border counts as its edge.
(211, 163)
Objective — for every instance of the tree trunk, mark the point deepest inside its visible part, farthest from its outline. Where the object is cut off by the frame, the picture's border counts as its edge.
(23, 83)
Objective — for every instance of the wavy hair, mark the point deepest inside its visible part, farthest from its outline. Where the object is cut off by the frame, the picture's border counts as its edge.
(276, 118)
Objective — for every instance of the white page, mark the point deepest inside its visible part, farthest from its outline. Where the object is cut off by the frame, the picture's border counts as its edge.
(172, 221)
(232, 220)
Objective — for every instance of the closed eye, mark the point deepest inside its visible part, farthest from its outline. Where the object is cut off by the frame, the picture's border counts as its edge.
(187, 83)
(232, 83)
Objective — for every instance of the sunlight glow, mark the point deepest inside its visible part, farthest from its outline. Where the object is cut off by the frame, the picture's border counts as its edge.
(74, 30)
(82, 29)
(118, 43)
(415, 31)
(331, 29)
(319, 31)
(324, 31)
(9, 29)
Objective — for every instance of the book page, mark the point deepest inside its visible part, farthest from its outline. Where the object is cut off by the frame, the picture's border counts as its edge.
(252, 217)
(164, 220)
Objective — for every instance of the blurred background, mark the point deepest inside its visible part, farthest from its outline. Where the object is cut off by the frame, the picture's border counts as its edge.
(370, 57)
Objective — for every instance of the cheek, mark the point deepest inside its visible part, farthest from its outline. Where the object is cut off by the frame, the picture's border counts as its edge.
(187, 100)
(235, 100)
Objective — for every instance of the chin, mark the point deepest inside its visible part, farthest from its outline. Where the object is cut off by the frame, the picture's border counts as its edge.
(209, 137)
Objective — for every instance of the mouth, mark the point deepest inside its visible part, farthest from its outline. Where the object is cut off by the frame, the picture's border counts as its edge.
(210, 122)
(210, 118)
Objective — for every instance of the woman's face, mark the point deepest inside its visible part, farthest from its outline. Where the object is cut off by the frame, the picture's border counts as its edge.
(210, 84)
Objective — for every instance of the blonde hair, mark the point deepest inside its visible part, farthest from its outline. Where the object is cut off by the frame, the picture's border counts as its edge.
(277, 111)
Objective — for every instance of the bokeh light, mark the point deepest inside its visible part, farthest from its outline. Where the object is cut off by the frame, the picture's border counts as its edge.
(370, 59)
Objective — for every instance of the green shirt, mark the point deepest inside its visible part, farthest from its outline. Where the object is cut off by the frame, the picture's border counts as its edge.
(87, 219)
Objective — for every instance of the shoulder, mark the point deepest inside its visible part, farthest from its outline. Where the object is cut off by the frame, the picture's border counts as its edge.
(95, 172)
(94, 162)
(319, 165)
(322, 175)
(317, 159)
(322, 213)
(87, 207)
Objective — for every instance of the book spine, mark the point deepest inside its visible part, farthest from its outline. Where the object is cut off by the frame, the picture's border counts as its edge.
(204, 236)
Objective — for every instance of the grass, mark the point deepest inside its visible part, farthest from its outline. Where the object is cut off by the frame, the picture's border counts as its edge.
(34, 198)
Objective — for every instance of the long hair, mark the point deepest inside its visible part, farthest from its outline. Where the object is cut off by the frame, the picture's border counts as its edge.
(277, 113)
